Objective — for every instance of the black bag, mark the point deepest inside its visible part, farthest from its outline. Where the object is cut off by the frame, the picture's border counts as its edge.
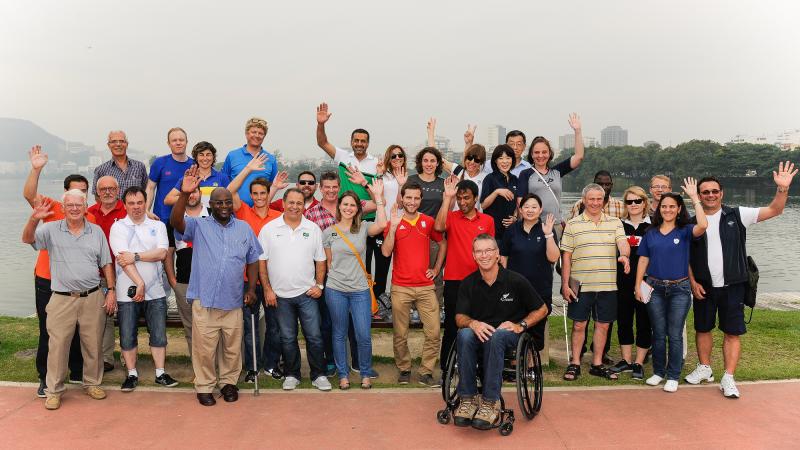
(752, 286)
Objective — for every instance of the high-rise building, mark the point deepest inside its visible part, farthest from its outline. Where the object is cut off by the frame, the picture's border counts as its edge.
(613, 135)
(495, 135)
(567, 142)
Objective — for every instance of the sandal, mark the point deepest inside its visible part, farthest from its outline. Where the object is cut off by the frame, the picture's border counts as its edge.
(344, 384)
(573, 372)
(603, 372)
(366, 383)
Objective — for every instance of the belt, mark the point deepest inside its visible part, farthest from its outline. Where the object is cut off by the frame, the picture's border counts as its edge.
(666, 282)
(78, 293)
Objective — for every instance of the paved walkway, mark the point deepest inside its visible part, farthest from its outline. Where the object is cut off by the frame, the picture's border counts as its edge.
(695, 417)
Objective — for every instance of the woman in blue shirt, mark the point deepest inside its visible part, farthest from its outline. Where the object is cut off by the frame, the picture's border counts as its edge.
(664, 256)
(498, 194)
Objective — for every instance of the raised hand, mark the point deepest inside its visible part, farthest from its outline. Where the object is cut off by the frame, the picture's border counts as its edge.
(281, 180)
(396, 216)
(42, 208)
(574, 121)
(376, 188)
(450, 186)
(355, 176)
(783, 177)
(469, 135)
(322, 113)
(401, 176)
(38, 159)
(257, 164)
(547, 224)
(190, 180)
(690, 188)
(380, 167)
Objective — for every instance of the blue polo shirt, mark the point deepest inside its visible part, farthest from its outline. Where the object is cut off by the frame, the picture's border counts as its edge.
(165, 172)
(219, 256)
(527, 255)
(668, 253)
(235, 162)
(207, 185)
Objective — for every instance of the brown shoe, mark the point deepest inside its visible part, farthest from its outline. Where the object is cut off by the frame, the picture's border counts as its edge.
(486, 415)
(467, 408)
(206, 399)
(95, 392)
(53, 402)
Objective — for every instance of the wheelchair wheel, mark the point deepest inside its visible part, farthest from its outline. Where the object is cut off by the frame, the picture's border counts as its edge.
(450, 378)
(506, 429)
(529, 377)
(443, 416)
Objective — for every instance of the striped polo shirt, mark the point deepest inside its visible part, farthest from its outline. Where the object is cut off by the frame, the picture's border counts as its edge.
(594, 251)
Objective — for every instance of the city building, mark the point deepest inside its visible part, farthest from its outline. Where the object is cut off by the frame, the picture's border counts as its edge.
(613, 136)
(567, 142)
(495, 135)
(788, 140)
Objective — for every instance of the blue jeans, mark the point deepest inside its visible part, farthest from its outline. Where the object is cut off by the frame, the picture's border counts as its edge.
(155, 315)
(269, 355)
(668, 307)
(494, 350)
(306, 309)
(342, 306)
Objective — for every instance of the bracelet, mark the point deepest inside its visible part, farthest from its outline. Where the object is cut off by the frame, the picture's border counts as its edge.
(548, 236)
(379, 203)
(783, 189)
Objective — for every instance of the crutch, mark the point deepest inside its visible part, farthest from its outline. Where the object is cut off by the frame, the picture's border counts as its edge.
(255, 361)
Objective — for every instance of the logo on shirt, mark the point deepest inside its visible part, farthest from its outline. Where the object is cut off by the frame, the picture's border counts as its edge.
(480, 228)
(167, 173)
(423, 224)
(731, 223)
(676, 241)
(152, 231)
(507, 298)
(538, 239)
(305, 234)
(401, 227)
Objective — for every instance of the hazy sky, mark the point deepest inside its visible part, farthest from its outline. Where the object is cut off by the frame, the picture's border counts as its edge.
(668, 72)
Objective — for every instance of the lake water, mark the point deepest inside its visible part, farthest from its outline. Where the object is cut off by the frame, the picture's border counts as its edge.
(775, 245)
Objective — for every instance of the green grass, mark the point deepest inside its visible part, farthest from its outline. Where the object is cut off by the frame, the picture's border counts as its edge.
(770, 351)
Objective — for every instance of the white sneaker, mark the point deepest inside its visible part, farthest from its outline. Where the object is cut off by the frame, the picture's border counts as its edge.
(701, 373)
(671, 386)
(322, 383)
(655, 380)
(728, 386)
(289, 383)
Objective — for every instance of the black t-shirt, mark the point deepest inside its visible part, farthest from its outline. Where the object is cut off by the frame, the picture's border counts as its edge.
(500, 208)
(527, 255)
(183, 258)
(432, 194)
(511, 298)
(634, 235)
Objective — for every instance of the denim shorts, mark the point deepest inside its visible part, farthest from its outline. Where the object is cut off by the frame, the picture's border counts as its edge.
(155, 315)
(601, 305)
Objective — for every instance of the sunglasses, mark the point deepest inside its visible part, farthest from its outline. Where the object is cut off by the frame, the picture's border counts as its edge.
(306, 182)
(473, 158)
(398, 156)
(710, 192)
(635, 201)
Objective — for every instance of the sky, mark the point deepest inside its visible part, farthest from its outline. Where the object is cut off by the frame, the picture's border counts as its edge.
(666, 71)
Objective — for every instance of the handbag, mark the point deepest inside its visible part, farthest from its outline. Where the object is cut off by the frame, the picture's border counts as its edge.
(370, 283)
(752, 286)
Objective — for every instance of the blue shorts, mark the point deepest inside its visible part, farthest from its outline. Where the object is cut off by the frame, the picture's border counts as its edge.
(601, 305)
(155, 316)
(728, 303)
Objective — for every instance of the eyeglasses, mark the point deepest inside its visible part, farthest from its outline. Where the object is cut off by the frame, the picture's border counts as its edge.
(710, 192)
(398, 156)
(306, 182)
(73, 205)
(221, 202)
(660, 186)
(118, 141)
(107, 189)
(635, 201)
(473, 158)
(488, 251)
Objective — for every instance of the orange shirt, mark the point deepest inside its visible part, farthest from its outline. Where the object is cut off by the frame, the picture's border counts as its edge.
(256, 222)
(42, 268)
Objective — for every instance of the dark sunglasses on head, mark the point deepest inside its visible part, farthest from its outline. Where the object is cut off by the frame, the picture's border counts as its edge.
(473, 158)
(710, 192)
(307, 182)
(398, 155)
(635, 201)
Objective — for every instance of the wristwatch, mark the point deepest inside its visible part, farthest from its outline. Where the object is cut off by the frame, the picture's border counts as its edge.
(523, 324)
(320, 286)
(112, 288)
(136, 257)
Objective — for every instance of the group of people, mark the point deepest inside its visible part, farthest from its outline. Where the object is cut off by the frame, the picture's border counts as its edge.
(479, 243)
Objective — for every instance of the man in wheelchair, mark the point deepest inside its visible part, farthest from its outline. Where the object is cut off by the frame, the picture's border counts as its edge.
(494, 307)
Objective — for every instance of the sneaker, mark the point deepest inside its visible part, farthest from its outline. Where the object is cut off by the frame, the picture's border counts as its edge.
(40, 391)
(671, 386)
(655, 380)
(637, 371)
(429, 381)
(486, 415)
(75, 379)
(413, 317)
(621, 366)
(130, 383)
(467, 408)
(53, 402)
(322, 383)
(95, 392)
(274, 373)
(251, 376)
(701, 373)
(290, 383)
(166, 380)
(728, 386)
(405, 377)
(372, 372)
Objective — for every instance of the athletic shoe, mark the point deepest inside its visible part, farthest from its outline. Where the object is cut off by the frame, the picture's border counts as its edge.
(671, 386)
(621, 366)
(655, 380)
(53, 402)
(404, 377)
(428, 380)
(95, 392)
(701, 373)
(166, 380)
(251, 376)
(637, 371)
(322, 383)
(130, 383)
(40, 391)
(274, 373)
(486, 415)
(290, 383)
(728, 386)
(467, 408)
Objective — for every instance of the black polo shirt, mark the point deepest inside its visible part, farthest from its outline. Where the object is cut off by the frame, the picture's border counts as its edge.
(527, 255)
(511, 298)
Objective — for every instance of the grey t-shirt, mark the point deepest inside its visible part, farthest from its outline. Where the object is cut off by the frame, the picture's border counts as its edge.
(345, 272)
(432, 194)
(74, 260)
(531, 182)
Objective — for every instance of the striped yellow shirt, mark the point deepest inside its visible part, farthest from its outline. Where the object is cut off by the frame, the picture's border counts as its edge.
(594, 251)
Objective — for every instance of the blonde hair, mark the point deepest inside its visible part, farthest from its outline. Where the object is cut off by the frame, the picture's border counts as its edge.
(256, 122)
(177, 129)
(639, 192)
(661, 177)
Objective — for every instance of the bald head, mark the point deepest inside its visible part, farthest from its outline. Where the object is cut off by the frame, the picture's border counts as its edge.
(221, 202)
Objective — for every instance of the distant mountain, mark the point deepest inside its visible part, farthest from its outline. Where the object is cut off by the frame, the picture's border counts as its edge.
(17, 136)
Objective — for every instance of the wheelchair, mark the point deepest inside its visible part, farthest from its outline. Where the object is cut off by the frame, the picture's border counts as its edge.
(523, 366)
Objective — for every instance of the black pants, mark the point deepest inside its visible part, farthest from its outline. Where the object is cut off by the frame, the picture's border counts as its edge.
(450, 328)
(43, 294)
(381, 272)
(627, 307)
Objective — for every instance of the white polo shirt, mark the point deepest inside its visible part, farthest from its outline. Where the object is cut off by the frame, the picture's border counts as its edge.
(290, 255)
(125, 236)
(366, 165)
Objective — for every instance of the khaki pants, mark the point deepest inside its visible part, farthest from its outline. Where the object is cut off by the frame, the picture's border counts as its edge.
(424, 298)
(185, 312)
(212, 327)
(63, 313)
